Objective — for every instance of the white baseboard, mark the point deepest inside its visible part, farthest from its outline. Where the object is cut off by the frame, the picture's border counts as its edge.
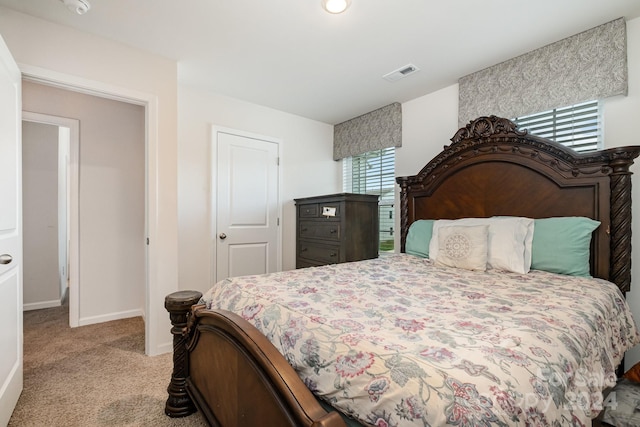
(164, 348)
(83, 321)
(41, 304)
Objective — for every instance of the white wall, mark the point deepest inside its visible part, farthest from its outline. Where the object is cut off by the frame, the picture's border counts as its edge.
(73, 57)
(41, 281)
(307, 164)
(430, 121)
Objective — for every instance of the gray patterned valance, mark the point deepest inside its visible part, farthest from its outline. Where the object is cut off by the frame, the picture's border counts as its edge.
(378, 129)
(588, 66)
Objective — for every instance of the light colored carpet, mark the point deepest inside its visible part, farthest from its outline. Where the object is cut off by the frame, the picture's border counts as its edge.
(96, 375)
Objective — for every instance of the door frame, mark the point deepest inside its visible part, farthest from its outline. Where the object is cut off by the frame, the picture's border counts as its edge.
(74, 209)
(155, 343)
(213, 203)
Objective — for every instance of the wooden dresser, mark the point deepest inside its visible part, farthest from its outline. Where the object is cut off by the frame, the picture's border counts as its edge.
(336, 228)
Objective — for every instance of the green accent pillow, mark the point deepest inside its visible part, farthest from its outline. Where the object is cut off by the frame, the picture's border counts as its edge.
(563, 245)
(419, 237)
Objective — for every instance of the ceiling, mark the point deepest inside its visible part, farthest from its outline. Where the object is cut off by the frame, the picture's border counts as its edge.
(293, 56)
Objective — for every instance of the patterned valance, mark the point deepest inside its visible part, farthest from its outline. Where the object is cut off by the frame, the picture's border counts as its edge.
(587, 66)
(378, 129)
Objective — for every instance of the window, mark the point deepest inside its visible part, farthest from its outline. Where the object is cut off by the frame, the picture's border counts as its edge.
(577, 126)
(374, 173)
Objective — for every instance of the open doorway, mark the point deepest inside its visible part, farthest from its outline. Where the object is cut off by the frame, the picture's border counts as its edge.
(50, 206)
(159, 275)
(111, 238)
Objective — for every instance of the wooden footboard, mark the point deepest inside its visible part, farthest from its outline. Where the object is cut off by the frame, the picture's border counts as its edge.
(226, 368)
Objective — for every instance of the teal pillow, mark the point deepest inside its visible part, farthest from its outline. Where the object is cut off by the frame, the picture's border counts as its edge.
(419, 237)
(563, 245)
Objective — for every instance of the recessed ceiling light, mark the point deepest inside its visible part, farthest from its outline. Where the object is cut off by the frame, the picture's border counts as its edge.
(335, 6)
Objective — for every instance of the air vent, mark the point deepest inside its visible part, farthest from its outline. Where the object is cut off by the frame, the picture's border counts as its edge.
(401, 73)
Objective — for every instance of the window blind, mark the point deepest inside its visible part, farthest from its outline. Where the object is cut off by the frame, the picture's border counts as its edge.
(577, 126)
(374, 173)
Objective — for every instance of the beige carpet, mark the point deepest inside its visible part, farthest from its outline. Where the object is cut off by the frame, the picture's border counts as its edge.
(96, 375)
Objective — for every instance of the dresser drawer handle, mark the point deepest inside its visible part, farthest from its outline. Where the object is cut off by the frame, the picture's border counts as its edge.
(333, 231)
(303, 249)
(303, 229)
(333, 254)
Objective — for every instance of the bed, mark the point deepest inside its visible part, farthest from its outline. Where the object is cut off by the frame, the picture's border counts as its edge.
(419, 338)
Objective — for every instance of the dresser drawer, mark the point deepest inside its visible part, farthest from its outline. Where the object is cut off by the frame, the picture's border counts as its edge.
(315, 210)
(329, 230)
(309, 211)
(319, 253)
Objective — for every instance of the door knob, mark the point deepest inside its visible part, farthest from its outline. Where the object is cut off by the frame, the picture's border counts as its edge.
(5, 259)
(222, 236)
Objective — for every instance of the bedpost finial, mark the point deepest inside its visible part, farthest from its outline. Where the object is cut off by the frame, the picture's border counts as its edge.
(178, 304)
(486, 126)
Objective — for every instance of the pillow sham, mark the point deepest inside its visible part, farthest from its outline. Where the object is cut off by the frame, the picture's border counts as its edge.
(419, 237)
(463, 246)
(563, 245)
(509, 241)
(528, 239)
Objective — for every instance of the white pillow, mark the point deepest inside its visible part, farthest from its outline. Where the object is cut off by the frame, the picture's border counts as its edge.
(463, 247)
(510, 240)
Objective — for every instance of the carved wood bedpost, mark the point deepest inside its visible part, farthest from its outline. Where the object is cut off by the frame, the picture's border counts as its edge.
(404, 211)
(620, 234)
(178, 304)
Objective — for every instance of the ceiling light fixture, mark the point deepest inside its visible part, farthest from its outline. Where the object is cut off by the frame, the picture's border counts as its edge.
(78, 6)
(335, 6)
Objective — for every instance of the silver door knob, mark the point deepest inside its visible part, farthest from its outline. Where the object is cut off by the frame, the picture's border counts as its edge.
(222, 236)
(5, 259)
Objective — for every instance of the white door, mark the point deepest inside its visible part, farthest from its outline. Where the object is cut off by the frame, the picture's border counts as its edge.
(246, 236)
(10, 235)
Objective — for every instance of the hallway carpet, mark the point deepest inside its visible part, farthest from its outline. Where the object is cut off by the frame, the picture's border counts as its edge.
(95, 375)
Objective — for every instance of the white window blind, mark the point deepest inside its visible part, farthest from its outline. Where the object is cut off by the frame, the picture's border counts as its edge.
(577, 126)
(374, 173)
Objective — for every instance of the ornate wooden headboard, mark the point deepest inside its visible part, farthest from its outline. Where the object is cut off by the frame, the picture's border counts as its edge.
(492, 168)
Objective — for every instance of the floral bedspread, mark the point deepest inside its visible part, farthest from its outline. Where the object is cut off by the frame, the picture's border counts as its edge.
(397, 341)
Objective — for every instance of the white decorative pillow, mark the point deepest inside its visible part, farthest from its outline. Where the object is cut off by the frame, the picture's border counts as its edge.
(509, 242)
(529, 223)
(463, 247)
